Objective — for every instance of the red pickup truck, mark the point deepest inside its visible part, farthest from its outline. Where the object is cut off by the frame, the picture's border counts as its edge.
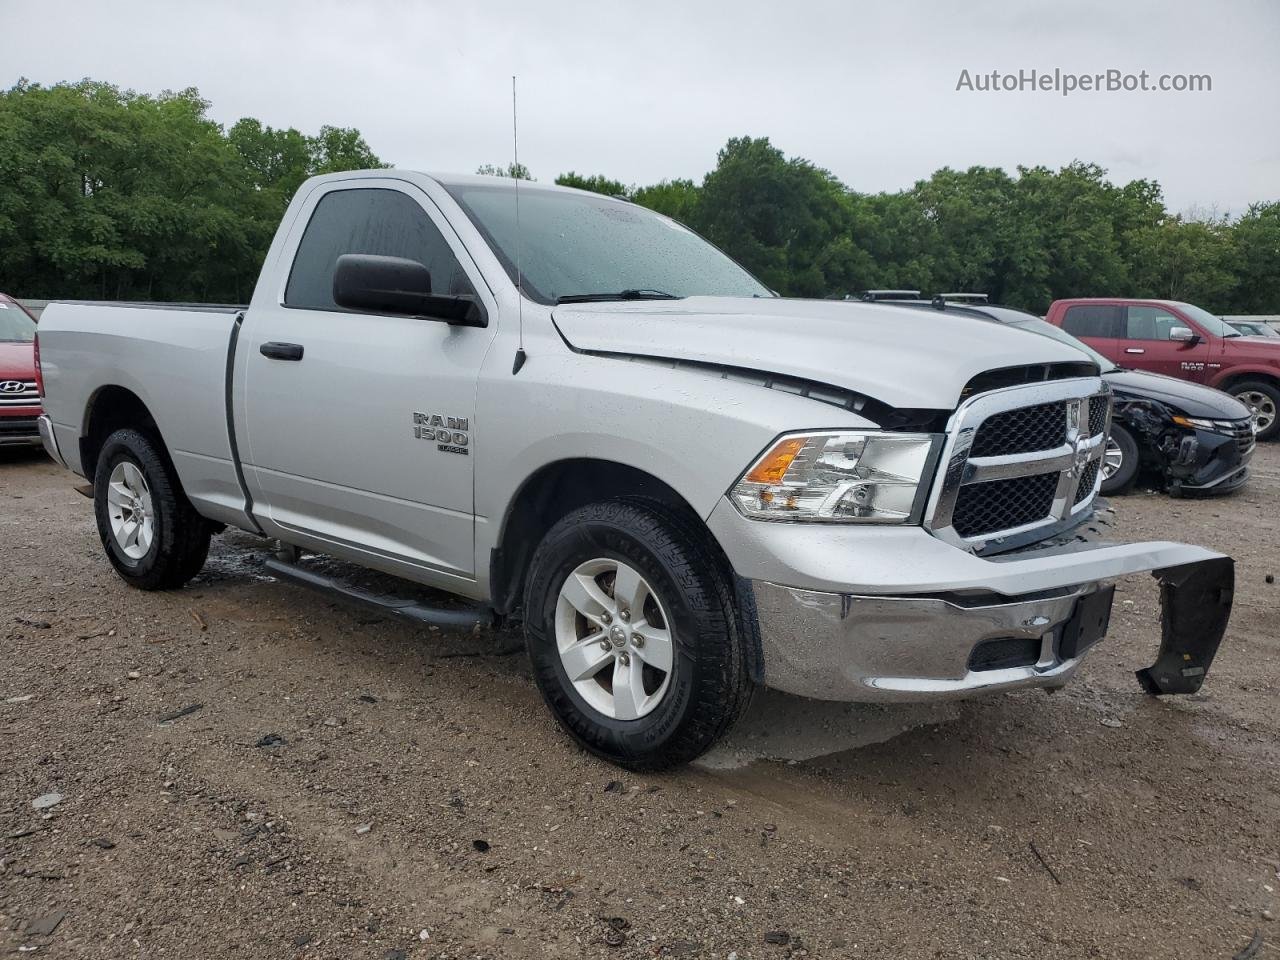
(19, 394)
(1180, 340)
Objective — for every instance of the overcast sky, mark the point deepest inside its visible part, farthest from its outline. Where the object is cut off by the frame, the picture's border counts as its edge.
(643, 92)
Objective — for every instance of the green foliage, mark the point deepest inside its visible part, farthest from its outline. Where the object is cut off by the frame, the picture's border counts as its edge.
(1024, 240)
(596, 184)
(515, 171)
(1188, 260)
(677, 199)
(108, 193)
(787, 221)
(1255, 260)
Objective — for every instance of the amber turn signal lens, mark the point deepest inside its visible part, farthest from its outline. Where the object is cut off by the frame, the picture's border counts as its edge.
(772, 467)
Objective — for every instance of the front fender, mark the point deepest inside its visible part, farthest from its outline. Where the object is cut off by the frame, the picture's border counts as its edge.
(691, 429)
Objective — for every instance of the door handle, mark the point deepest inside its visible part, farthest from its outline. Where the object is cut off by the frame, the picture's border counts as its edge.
(1134, 350)
(281, 351)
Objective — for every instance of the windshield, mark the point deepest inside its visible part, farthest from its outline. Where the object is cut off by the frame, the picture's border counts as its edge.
(15, 326)
(1035, 325)
(576, 244)
(1207, 320)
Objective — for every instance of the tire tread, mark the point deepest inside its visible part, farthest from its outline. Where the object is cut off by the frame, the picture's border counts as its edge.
(724, 687)
(182, 532)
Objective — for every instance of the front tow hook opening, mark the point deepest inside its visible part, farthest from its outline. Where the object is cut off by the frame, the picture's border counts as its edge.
(1195, 604)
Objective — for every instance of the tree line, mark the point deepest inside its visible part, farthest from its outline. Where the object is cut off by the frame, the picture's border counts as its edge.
(108, 193)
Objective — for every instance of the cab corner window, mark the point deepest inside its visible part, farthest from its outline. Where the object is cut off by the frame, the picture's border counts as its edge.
(371, 220)
(1093, 320)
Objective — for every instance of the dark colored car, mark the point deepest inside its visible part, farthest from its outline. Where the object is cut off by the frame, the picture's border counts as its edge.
(1194, 438)
(1180, 340)
(1253, 328)
(19, 393)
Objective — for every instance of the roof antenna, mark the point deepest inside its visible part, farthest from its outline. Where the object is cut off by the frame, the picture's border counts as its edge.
(521, 356)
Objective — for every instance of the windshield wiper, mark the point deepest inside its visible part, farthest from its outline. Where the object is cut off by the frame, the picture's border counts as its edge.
(620, 295)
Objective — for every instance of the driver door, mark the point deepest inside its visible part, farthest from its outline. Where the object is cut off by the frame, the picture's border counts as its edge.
(344, 409)
(1145, 344)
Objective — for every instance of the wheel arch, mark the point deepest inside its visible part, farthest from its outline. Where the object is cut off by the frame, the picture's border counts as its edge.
(110, 408)
(1237, 375)
(553, 491)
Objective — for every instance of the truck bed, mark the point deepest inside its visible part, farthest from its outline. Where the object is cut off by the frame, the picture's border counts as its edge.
(175, 358)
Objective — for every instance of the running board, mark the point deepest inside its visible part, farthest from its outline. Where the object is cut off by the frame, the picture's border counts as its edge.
(466, 618)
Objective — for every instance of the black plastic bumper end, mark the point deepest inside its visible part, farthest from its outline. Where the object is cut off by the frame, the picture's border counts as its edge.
(1195, 599)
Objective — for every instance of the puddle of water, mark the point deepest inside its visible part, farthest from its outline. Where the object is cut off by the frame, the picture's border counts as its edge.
(779, 726)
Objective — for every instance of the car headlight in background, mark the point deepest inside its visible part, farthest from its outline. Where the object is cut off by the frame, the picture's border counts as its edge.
(846, 476)
(1214, 426)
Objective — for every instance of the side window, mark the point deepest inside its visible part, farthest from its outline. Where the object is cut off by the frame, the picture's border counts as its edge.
(1150, 323)
(368, 220)
(1093, 320)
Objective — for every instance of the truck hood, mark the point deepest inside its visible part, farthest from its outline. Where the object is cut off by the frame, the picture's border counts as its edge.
(906, 358)
(1181, 396)
(1266, 349)
(17, 361)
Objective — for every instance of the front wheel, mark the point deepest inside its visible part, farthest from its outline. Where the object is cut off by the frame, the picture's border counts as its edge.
(152, 535)
(1119, 461)
(1263, 401)
(631, 633)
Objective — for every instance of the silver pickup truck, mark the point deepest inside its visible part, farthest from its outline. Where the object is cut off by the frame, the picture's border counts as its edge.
(566, 408)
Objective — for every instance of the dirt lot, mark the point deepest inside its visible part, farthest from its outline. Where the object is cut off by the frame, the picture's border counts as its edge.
(352, 787)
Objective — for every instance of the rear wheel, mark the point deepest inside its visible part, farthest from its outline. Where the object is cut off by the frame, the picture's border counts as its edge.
(631, 633)
(151, 534)
(1119, 461)
(1263, 401)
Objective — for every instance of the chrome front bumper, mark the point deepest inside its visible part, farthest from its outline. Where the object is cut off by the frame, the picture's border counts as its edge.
(833, 646)
(892, 614)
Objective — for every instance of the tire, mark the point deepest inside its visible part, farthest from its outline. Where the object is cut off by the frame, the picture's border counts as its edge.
(177, 544)
(1122, 443)
(1263, 399)
(663, 722)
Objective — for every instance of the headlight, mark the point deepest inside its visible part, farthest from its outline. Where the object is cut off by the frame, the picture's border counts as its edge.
(853, 477)
(1197, 423)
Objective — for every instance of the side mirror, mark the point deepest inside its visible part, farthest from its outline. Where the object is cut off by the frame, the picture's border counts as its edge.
(1184, 335)
(374, 284)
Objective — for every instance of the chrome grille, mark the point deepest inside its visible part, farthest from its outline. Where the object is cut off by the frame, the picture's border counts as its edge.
(19, 393)
(1020, 464)
(1087, 478)
(1041, 427)
(1003, 504)
(1098, 418)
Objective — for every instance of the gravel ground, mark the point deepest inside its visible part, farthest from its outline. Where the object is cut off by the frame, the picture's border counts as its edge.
(332, 784)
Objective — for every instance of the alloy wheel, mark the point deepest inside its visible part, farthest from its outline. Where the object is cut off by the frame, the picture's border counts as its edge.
(1112, 459)
(614, 639)
(131, 511)
(1261, 407)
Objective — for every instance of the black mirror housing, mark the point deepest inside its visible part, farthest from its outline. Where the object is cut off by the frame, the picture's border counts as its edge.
(376, 284)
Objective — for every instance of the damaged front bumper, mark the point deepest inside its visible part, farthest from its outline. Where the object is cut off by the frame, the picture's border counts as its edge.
(893, 614)
(1205, 461)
